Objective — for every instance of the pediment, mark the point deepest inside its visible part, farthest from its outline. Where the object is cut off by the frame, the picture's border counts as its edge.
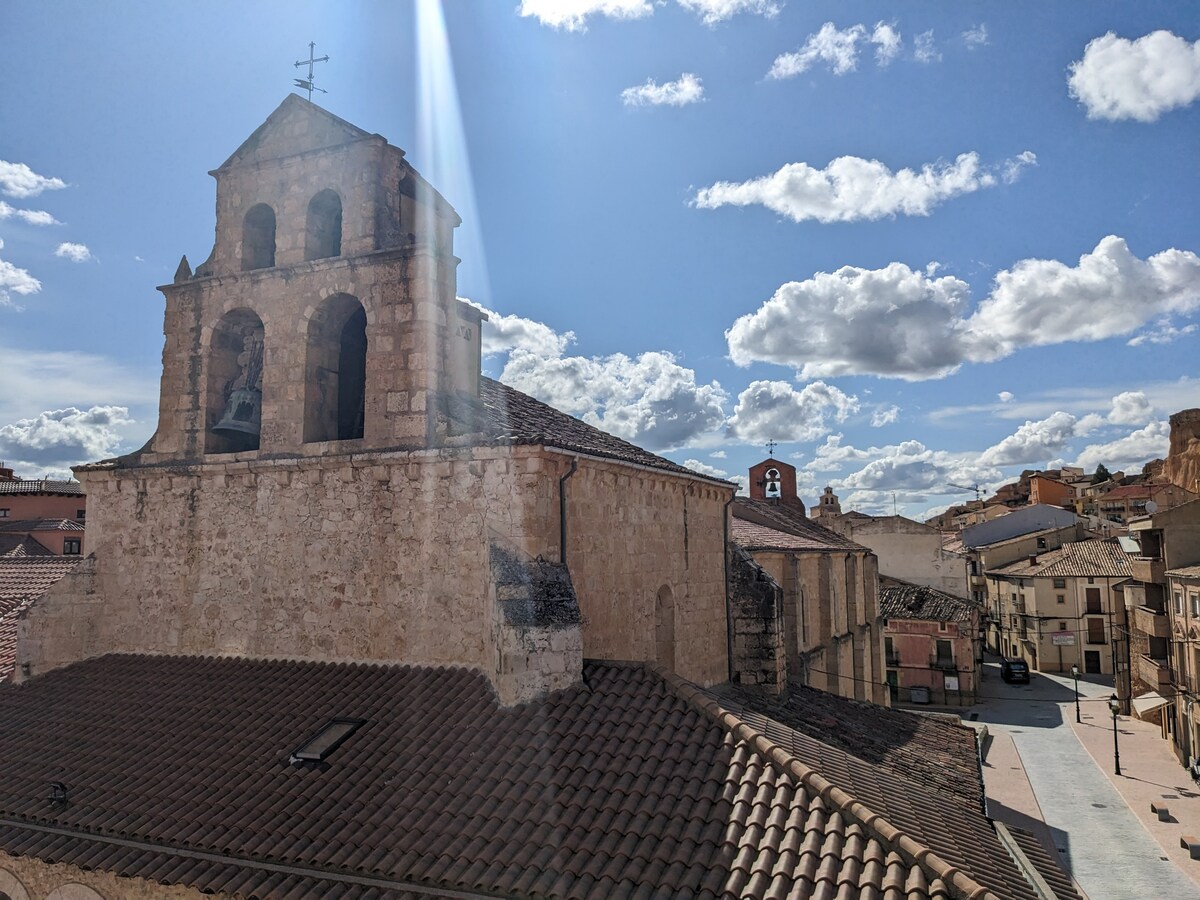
(296, 126)
(1177, 628)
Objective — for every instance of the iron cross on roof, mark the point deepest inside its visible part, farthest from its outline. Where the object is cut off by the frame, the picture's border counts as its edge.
(307, 83)
(771, 445)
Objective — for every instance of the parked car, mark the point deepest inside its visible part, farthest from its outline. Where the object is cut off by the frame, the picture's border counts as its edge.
(1014, 671)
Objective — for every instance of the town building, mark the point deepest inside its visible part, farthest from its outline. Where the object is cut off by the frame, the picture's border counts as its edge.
(41, 498)
(1128, 501)
(24, 577)
(907, 550)
(360, 622)
(1182, 724)
(932, 644)
(1065, 606)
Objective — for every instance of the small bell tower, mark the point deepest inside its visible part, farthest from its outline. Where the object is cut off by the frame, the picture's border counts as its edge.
(828, 506)
(775, 481)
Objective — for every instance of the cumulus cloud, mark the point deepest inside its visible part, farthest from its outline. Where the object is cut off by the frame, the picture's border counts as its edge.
(852, 189)
(20, 181)
(1131, 408)
(712, 12)
(1033, 442)
(688, 89)
(717, 454)
(893, 322)
(572, 15)
(923, 49)
(887, 42)
(705, 469)
(15, 280)
(832, 455)
(74, 252)
(884, 416)
(774, 410)
(1129, 452)
(911, 466)
(39, 380)
(650, 399)
(63, 437)
(838, 48)
(1006, 396)
(28, 216)
(1163, 332)
(976, 36)
(501, 334)
(900, 323)
(1141, 79)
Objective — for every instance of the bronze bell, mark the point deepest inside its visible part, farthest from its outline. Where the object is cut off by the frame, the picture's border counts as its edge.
(243, 414)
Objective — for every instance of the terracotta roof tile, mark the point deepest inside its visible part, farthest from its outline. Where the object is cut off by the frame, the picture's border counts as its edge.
(1097, 557)
(147, 744)
(903, 600)
(22, 580)
(41, 486)
(26, 526)
(763, 525)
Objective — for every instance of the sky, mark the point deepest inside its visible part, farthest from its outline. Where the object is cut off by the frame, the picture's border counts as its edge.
(921, 247)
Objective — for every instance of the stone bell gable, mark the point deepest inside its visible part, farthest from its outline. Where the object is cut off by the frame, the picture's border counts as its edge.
(326, 311)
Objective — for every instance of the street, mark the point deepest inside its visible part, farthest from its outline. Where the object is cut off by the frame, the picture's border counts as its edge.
(1101, 842)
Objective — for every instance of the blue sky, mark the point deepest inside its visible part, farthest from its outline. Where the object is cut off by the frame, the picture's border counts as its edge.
(914, 244)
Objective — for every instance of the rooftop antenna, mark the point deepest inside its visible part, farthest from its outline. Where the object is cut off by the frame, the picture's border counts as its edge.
(771, 445)
(306, 84)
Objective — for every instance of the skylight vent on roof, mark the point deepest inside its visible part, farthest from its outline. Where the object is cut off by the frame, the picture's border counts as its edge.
(325, 740)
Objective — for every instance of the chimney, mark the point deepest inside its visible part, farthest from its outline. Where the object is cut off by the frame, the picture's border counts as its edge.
(1033, 559)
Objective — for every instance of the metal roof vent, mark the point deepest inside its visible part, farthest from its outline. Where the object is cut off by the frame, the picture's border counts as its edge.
(326, 739)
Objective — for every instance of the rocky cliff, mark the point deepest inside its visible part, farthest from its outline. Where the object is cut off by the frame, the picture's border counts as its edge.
(1183, 458)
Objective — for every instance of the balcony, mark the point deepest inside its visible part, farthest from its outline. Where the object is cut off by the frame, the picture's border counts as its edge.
(1154, 672)
(941, 662)
(892, 660)
(1148, 569)
(1151, 622)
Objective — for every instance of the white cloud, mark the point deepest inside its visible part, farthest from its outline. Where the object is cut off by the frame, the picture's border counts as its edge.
(63, 437)
(74, 252)
(851, 189)
(1130, 452)
(14, 280)
(774, 410)
(572, 15)
(650, 400)
(1131, 408)
(911, 466)
(837, 48)
(923, 49)
(1163, 332)
(18, 180)
(976, 36)
(1141, 79)
(892, 322)
(705, 469)
(715, 11)
(501, 334)
(29, 216)
(901, 323)
(1006, 396)
(717, 454)
(887, 42)
(40, 380)
(688, 89)
(884, 416)
(831, 456)
(1033, 442)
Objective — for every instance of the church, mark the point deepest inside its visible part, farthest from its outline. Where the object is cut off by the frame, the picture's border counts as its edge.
(359, 621)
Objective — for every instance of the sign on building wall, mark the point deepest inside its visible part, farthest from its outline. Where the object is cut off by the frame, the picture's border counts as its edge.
(952, 682)
(1063, 639)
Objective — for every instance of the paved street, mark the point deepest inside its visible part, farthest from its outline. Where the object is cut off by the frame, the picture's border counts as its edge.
(1109, 850)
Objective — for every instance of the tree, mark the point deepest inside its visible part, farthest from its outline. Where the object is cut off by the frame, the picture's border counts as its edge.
(1102, 474)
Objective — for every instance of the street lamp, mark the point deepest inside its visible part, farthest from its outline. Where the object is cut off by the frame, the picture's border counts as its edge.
(1115, 705)
(1075, 675)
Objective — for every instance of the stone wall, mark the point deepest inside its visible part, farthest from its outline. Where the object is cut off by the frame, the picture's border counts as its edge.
(382, 557)
(1182, 465)
(756, 625)
(27, 878)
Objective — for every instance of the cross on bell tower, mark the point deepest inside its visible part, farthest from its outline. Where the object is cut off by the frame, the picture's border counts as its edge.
(306, 84)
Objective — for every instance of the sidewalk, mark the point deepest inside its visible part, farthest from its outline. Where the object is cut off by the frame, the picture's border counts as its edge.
(1149, 774)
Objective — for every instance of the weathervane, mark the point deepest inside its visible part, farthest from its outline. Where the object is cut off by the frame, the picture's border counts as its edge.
(307, 83)
(771, 445)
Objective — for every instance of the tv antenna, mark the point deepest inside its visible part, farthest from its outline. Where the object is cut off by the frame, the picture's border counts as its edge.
(306, 84)
(968, 487)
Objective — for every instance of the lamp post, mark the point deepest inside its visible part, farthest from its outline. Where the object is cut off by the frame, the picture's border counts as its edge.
(1075, 675)
(1115, 705)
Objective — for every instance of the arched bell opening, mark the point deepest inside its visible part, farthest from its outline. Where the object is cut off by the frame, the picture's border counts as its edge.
(234, 396)
(336, 371)
(258, 238)
(323, 232)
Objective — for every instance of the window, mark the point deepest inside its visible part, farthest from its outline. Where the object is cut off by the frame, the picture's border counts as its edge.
(1195, 600)
(80, 514)
(323, 236)
(258, 238)
(1091, 580)
(1093, 600)
(1041, 543)
(943, 626)
(1179, 603)
(327, 739)
(4, 513)
(945, 654)
(889, 651)
(1095, 631)
(1062, 626)
(1061, 598)
(1060, 583)
(72, 546)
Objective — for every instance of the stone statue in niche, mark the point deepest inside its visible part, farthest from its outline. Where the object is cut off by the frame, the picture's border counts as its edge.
(243, 405)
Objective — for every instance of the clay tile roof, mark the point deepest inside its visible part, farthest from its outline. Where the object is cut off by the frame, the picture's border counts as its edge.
(902, 600)
(763, 525)
(28, 526)
(1131, 491)
(1185, 572)
(504, 415)
(22, 580)
(635, 784)
(42, 486)
(22, 545)
(1098, 557)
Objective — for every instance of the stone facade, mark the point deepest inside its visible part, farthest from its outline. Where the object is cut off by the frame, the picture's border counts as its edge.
(756, 625)
(28, 878)
(907, 550)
